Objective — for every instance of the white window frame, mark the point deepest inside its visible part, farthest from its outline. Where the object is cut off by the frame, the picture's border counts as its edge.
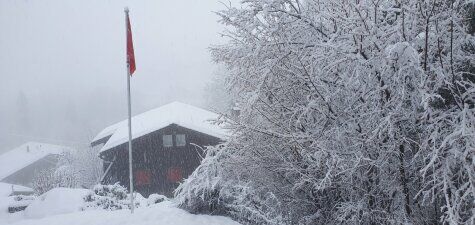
(171, 139)
(182, 143)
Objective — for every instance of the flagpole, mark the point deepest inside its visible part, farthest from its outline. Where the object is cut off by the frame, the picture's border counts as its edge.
(131, 174)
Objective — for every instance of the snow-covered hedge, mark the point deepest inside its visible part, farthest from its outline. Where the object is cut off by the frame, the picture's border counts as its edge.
(109, 197)
(69, 200)
(115, 197)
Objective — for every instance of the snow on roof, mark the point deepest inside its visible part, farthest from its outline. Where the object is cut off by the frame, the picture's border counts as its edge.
(184, 115)
(6, 189)
(28, 153)
(108, 131)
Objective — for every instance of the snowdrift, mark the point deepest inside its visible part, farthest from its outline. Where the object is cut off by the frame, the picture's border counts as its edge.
(56, 201)
(164, 213)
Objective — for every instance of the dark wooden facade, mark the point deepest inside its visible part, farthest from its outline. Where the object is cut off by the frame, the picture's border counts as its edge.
(157, 169)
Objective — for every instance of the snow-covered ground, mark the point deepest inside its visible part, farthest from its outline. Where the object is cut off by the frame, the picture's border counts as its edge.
(56, 201)
(63, 206)
(6, 200)
(164, 213)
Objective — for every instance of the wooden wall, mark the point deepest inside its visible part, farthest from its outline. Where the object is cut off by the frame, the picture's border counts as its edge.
(162, 162)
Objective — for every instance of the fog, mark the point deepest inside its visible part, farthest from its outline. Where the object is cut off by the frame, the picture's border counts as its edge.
(62, 63)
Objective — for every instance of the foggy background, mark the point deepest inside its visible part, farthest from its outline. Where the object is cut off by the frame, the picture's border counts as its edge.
(62, 64)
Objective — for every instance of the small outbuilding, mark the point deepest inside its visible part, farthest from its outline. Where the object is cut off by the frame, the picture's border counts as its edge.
(168, 143)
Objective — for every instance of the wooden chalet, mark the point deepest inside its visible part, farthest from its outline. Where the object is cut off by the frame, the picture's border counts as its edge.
(167, 145)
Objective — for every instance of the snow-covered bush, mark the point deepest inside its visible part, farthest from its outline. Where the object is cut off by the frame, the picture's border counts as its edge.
(155, 199)
(79, 168)
(48, 179)
(200, 192)
(19, 202)
(109, 197)
(206, 191)
(115, 197)
(88, 166)
(44, 181)
(83, 164)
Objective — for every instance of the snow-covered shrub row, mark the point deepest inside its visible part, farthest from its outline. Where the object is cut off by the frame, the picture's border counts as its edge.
(115, 197)
(109, 197)
(352, 112)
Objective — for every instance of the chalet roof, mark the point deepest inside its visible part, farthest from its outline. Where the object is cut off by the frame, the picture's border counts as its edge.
(182, 114)
(25, 155)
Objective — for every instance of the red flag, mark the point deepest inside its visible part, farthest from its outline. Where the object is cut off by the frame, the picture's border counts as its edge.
(130, 46)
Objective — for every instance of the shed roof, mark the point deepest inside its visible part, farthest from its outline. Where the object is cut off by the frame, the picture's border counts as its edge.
(182, 114)
(7, 189)
(25, 155)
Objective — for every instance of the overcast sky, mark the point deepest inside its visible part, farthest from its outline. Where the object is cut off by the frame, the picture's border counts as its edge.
(62, 64)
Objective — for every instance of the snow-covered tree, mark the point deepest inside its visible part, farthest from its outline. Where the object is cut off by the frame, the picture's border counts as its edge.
(44, 181)
(88, 166)
(352, 112)
(74, 169)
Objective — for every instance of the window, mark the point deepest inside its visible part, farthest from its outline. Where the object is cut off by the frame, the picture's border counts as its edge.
(180, 140)
(143, 177)
(174, 174)
(167, 140)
